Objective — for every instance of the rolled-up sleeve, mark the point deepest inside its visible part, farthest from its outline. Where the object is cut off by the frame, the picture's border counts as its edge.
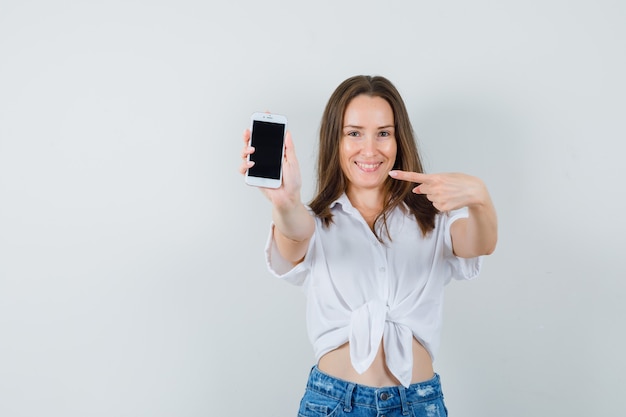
(462, 268)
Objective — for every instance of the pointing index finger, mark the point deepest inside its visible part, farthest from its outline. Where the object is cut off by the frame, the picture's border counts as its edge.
(416, 177)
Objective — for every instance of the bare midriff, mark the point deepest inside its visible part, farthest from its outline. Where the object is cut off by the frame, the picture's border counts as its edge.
(337, 363)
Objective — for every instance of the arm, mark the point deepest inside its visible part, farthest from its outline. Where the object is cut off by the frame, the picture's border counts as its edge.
(293, 225)
(293, 228)
(477, 235)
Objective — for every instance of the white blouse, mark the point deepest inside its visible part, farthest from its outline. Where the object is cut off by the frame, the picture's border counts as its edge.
(362, 291)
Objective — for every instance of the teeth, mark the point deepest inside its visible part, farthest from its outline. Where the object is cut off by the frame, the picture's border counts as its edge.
(367, 166)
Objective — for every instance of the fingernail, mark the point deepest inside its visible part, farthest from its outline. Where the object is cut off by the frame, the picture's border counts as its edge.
(393, 173)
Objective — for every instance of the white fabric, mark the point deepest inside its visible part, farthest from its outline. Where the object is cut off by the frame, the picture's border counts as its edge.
(362, 291)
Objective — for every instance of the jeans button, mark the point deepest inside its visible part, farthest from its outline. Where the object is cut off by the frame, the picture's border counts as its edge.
(384, 396)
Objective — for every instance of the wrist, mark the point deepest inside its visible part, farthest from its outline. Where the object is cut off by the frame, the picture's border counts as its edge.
(288, 205)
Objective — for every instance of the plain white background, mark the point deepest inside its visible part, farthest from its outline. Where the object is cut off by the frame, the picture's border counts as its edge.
(132, 278)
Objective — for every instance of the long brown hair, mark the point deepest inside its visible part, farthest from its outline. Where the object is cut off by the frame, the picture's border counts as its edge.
(331, 181)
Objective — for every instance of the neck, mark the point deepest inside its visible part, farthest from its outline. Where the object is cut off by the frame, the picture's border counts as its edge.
(369, 200)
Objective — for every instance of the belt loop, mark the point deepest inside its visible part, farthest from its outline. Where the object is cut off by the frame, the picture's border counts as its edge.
(347, 401)
(405, 405)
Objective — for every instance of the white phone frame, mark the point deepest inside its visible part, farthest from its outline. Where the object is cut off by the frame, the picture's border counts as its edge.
(263, 181)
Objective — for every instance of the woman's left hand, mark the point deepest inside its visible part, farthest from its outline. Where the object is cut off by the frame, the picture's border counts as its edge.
(447, 191)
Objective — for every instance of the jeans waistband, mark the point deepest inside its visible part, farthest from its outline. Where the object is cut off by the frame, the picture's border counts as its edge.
(379, 398)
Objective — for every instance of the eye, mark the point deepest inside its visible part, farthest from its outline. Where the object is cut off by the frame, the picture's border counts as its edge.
(384, 134)
(353, 133)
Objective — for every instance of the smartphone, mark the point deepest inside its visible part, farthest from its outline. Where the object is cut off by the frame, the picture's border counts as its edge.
(267, 135)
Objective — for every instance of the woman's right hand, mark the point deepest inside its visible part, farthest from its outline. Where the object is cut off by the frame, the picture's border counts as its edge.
(288, 194)
(294, 225)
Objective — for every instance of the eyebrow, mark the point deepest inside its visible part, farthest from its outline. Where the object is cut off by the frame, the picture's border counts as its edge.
(361, 127)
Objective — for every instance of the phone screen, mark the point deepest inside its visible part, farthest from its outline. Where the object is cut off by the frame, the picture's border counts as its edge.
(267, 139)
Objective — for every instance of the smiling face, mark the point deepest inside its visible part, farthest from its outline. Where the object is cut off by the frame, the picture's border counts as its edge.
(368, 145)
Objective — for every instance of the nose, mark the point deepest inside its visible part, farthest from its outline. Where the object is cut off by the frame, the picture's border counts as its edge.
(369, 146)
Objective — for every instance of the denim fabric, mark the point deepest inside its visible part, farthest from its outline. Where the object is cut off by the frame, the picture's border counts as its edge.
(329, 396)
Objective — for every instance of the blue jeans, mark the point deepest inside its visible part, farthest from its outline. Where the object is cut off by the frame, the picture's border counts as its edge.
(329, 396)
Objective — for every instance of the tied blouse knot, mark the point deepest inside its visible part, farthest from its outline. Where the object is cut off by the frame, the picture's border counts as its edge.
(375, 321)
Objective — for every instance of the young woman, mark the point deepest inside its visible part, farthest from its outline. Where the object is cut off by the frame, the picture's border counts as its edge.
(373, 251)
